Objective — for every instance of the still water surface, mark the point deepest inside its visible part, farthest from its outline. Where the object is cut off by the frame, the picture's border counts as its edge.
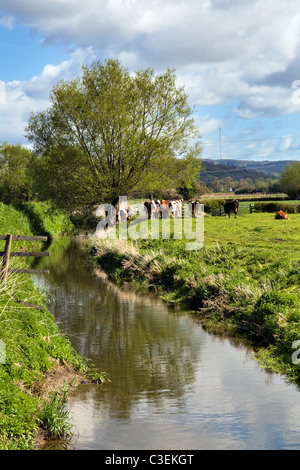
(173, 385)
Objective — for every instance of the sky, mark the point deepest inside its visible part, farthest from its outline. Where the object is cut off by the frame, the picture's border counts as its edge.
(239, 62)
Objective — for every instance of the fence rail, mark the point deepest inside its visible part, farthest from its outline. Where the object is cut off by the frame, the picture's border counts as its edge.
(21, 254)
(25, 238)
(7, 254)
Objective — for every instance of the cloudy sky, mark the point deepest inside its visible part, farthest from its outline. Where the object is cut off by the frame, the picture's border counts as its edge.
(239, 62)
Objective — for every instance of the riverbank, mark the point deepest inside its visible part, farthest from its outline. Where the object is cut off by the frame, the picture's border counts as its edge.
(37, 360)
(245, 281)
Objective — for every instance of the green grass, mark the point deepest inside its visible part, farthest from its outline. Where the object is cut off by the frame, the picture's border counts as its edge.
(44, 219)
(246, 279)
(31, 338)
(54, 417)
(258, 231)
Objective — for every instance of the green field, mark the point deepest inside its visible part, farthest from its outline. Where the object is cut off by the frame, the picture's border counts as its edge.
(245, 280)
(259, 231)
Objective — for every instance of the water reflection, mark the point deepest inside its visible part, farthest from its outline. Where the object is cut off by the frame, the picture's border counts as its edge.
(173, 386)
(147, 352)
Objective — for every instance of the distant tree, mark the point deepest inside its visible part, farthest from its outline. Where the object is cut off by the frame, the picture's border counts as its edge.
(202, 189)
(15, 179)
(188, 189)
(261, 186)
(246, 183)
(290, 180)
(275, 186)
(110, 133)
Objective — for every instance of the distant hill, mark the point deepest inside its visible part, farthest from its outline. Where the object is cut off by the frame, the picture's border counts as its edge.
(240, 169)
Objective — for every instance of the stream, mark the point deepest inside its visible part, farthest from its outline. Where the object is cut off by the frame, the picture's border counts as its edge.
(173, 384)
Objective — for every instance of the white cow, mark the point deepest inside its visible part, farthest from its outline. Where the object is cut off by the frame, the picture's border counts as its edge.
(175, 208)
(179, 208)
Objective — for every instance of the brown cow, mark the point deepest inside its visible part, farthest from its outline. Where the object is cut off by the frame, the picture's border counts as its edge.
(281, 215)
(164, 208)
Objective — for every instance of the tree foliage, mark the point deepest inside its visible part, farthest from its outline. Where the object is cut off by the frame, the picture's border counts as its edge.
(109, 133)
(15, 179)
(290, 180)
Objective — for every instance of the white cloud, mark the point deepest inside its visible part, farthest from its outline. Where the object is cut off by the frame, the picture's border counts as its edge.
(13, 113)
(22, 98)
(7, 22)
(222, 50)
(207, 124)
(41, 85)
(268, 101)
(225, 49)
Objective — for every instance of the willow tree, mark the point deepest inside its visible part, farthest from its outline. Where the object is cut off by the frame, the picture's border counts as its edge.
(109, 132)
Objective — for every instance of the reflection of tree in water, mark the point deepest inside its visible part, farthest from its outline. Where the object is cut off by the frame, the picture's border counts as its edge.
(148, 352)
(68, 257)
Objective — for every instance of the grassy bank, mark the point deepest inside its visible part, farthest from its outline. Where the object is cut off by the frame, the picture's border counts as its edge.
(33, 352)
(43, 219)
(245, 280)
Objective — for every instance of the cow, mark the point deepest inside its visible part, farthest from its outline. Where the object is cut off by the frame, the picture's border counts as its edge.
(179, 208)
(150, 208)
(156, 210)
(231, 206)
(130, 213)
(194, 208)
(281, 215)
(176, 208)
(172, 208)
(164, 208)
(126, 214)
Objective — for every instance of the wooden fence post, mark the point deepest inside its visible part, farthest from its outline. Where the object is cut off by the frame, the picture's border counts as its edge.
(6, 257)
(7, 254)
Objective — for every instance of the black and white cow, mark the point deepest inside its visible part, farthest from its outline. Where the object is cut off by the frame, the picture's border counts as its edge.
(175, 208)
(150, 208)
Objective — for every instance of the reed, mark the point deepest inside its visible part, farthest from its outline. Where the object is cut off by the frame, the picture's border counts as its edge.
(54, 417)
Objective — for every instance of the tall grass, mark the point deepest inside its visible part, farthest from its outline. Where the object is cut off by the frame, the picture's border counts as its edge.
(54, 417)
(44, 219)
(32, 340)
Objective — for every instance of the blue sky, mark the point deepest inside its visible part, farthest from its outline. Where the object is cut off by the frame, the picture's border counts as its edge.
(22, 55)
(237, 61)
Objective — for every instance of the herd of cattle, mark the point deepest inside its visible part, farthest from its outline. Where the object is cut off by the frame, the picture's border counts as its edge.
(156, 208)
(173, 208)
